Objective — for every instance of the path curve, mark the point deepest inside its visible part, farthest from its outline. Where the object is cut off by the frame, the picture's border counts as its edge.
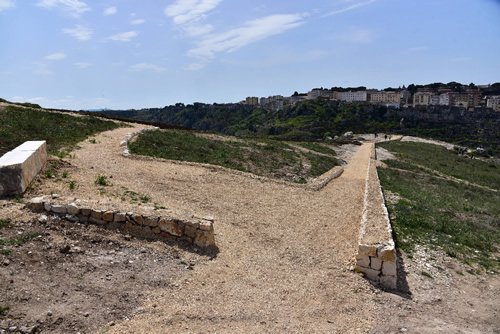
(284, 252)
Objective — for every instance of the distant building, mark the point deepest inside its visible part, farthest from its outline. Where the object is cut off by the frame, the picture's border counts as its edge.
(252, 100)
(422, 98)
(359, 96)
(493, 102)
(319, 92)
(385, 97)
(274, 103)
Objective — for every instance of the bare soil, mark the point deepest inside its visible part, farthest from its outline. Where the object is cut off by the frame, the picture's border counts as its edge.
(283, 263)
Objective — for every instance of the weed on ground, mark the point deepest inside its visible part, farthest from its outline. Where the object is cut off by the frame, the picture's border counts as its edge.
(461, 219)
(261, 157)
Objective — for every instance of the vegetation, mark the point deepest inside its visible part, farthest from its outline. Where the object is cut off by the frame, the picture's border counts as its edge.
(61, 131)
(437, 208)
(261, 157)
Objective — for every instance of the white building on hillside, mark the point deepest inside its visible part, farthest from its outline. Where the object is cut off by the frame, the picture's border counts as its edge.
(359, 96)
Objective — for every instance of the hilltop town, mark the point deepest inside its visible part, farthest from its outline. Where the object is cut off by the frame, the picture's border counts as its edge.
(452, 94)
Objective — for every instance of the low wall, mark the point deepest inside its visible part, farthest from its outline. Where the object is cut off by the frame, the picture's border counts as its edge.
(20, 166)
(376, 257)
(164, 223)
(129, 136)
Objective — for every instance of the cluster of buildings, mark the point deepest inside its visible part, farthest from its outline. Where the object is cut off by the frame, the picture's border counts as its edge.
(468, 98)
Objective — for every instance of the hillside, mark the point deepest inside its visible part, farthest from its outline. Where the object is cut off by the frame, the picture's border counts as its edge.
(317, 119)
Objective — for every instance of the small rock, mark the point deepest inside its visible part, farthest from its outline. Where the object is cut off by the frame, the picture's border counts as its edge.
(49, 313)
(43, 219)
(56, 195)
(86, 314)
(65, 250)
(12, 329)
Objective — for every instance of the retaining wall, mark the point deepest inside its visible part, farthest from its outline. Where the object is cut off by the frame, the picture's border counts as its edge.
(20, 166)
(164, 223)
(376, 257)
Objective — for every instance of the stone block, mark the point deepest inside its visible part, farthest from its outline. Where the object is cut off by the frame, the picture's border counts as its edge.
(171, 227)
(367, 250)
(363, 261)
(96, 214)
(389, 268)
(47, 206)
(168, 236)
(195, 225)
(371, 274)
(388, 282)
(85, 211)
(151, 221)
(73, 209)
(108, 216)
(206, 226)
(120, 217)
(204, 239)
(58, 208)
(376, 263)
(20, 166)
(97, 221)
(36, 204)
(83, 218)
(156, 230)
(138, 219)
(190, 231)
(388, 253)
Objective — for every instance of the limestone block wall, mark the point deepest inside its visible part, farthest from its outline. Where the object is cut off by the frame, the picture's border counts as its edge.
(165, 223)
(129, 136)
(19, 166)
(376, 257)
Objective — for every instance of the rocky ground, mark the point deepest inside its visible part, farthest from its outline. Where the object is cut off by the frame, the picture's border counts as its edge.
(283, 262)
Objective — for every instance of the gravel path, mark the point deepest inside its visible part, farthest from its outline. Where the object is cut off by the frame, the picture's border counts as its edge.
(284, 252)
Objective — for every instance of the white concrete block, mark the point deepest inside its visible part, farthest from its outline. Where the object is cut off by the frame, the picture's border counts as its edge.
(19, 166)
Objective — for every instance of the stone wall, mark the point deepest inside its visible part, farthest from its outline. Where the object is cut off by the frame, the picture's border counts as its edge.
(130, 136)
(19, 166)
(376, 257)
(164, 223)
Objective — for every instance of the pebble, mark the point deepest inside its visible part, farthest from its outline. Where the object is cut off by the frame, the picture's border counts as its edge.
(49, 313)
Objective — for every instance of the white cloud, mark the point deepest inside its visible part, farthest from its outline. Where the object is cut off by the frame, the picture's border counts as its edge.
(183, 11)
(79, 32)
(83, 65)
(138, 21)
(56, 56)
(250, 32)
(72, 7)
(42, 69)
(110, 11)
(195, 67)
(194, 30)
(418, 48)
(6, 4)
(124, 36)
(356, 35)
(145, 66)
(348, 8)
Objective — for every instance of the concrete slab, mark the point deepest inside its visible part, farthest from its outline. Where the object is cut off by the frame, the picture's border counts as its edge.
(19, 166)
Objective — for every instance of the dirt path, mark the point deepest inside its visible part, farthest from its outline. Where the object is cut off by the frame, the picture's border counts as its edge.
(284, 252)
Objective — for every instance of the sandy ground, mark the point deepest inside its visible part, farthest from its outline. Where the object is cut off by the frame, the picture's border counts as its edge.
(283, 260)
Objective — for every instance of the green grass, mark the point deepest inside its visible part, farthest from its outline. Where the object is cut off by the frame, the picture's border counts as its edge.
(61, 131)
(102, 180)
(4, 309)
(261, 157)
(318, 148)
(446, 162)
(19, 240)
(462, 220)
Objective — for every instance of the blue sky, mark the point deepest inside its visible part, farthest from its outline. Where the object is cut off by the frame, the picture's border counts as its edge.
(82, 54)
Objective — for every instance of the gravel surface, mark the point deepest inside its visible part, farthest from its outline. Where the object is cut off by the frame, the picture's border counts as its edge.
(283, 252)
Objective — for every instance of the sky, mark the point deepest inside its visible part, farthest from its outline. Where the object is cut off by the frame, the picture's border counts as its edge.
(124, 54)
